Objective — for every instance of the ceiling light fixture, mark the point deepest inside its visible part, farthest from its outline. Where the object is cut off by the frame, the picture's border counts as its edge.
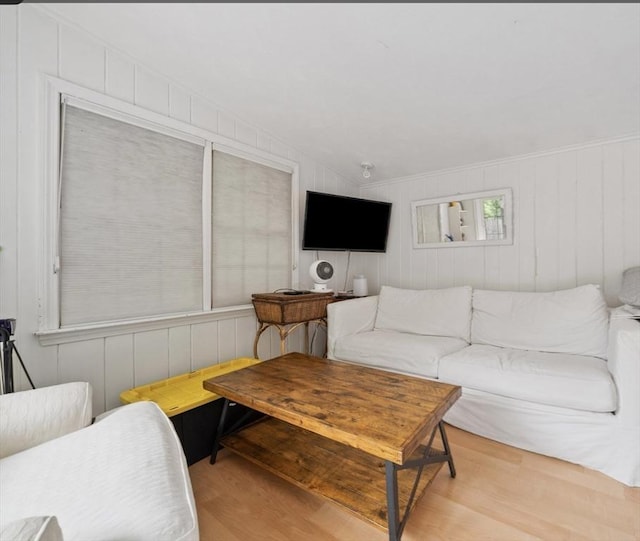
(366, 169)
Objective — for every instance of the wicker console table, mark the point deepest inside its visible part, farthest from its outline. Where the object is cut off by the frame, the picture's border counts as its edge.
(288, 312)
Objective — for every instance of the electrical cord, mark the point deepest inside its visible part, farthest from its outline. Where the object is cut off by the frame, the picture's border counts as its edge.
(346, 274)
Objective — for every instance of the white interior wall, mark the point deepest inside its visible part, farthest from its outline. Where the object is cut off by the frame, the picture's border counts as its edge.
(576, 213)
(32, 44)
(576, 221)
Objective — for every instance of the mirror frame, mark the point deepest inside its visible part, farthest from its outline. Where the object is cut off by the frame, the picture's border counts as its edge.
(508, 218)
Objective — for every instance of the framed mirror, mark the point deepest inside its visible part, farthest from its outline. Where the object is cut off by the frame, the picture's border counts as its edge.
(471, 219)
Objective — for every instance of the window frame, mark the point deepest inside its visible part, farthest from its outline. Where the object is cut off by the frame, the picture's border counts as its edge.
(49, 331)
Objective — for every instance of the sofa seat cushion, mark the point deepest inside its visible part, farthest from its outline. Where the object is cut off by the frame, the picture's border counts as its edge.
(556, 379)
(124, 477)
(398, 351)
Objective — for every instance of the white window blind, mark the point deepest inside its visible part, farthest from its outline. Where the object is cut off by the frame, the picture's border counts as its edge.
(130, 221)
(251, 230)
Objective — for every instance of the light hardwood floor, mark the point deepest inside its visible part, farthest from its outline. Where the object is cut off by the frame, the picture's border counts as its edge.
(500, 493)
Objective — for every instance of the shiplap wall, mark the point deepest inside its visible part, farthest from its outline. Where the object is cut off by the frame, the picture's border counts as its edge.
(34, 43)
(576, 221)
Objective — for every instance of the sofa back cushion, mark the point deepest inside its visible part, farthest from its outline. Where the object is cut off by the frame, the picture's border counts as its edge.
(435, 312)
(573, 321)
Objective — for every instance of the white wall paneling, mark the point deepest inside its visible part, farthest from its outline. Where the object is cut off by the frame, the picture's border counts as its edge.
(179, 350)
(81, 60)
(226, 125)
(152, 92)
(204, 344)
(629, 202)
(120, 77)
(8, 160)
(204, 115)
(576, 221)
(83, 361)
(151, 356)
(247, 134)
(589, 215)
(179, 104)
(227, 348)
(118, 367)
(37, 54)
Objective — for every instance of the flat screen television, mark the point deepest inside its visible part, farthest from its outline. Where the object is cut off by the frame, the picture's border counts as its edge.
(341, 223)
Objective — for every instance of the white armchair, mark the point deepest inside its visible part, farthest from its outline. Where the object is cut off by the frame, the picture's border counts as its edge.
(61, 477)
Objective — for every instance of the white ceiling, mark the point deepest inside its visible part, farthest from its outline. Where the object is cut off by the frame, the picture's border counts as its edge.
(410, 87)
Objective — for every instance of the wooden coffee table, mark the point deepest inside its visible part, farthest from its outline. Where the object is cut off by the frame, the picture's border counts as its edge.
(350, 433)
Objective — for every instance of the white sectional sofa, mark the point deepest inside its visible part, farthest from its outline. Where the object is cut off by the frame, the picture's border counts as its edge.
(124, 477)
(556, 373)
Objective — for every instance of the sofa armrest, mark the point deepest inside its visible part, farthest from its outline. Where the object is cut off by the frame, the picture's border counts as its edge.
(624, 365)
(29, 418)
(349, 317)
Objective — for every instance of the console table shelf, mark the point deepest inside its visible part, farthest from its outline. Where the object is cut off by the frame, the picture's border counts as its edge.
(351, 478)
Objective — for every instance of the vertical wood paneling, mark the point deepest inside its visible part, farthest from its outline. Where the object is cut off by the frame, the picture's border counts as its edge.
(546, 227)
(279, 148)
(179, 350)
(81, 59)
(509, 262)
(179, 104)
(151, 356)
(151, 91)
(383, 276)
(84, 361)
(204, 345)
(246, 134)
(227, 348)
(566, 229)
(589, 249)
(9, 160)
(525, 225)
(226, 125)
(631, 204)
(613, 255)
(576, 220)
(38, 54)
(120, 77)
(406, 247)
(118, 368)
(264, 141)
(246, 328)
(204, 115)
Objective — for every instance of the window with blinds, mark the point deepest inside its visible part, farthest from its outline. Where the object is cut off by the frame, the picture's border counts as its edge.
(250, 229)
(132, 239)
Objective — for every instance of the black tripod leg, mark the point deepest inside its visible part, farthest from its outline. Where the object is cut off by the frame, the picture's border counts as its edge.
(7, 362)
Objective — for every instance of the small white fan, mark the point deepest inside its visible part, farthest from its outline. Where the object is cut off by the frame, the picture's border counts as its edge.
(321, 272)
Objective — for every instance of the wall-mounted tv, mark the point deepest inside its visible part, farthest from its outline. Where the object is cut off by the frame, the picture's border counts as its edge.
(341, 223)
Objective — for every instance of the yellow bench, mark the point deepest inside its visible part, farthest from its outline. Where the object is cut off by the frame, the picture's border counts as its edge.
(184, 392)
(194, 411)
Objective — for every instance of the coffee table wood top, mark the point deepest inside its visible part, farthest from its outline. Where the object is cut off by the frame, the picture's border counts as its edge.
(379, 412)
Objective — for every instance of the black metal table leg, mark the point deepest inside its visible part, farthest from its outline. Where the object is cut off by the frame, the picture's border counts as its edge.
(393, 507)
(447, 449)
(219, 432)
(395, 522)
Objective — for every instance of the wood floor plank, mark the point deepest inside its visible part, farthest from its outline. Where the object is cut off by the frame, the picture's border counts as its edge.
(500, 494)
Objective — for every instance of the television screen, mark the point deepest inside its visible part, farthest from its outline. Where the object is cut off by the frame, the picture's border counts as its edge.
(340, 223)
